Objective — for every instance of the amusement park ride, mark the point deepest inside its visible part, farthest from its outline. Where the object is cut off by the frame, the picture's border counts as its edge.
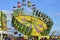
(37, 24)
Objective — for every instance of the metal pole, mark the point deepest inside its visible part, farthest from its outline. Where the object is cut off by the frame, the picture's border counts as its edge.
(1, 35)
(1, 19)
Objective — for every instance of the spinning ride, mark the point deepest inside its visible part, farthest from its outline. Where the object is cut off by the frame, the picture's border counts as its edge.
(36, 24)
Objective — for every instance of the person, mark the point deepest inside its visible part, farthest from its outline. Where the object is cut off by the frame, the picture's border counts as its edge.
(45, 38)
(21, 38)
(9, 38)
(3, 39)
(42, 38)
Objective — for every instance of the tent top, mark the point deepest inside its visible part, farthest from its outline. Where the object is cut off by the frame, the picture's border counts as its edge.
(3, 32)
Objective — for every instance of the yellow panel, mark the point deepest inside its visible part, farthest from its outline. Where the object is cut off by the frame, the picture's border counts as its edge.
(34, 32)
(28, 18)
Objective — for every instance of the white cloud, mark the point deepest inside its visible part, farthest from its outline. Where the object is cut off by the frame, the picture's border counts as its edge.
(50, 1)
(7, 11)
(9, 19)
(8, 14)
(57, 14)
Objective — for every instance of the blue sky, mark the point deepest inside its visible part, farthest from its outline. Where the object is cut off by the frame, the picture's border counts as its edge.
(49, 7)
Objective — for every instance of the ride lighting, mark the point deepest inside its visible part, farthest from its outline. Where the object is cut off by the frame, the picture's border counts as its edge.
(23, 3)
(34, 7)
(18, 5)
(15, 32)
(29, 4)
(14, 7)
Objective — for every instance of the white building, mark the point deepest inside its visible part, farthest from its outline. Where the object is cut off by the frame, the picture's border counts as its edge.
(3, 34)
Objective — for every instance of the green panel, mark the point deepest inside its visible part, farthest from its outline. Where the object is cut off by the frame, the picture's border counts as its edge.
(20, 27)
(24, 29)
(0, 14)
(29, 32)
